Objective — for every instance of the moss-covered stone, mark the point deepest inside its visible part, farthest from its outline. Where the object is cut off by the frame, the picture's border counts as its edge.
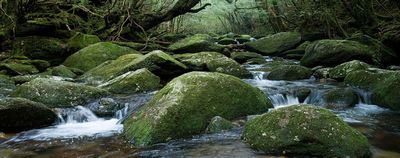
(196, 43)
(340, 98)
(243, 38)
(139, 46)
(105, 107)
(214, 62)
(185, 106)
(62, 71)
(322, 72)
(95, 54)
(293, 54)
(340, 72)
(305, 130)
(17, 114)
(276, 43)
(17, 68)
(383, 84)
(6, 85)
(227, 41)
(219, 124)
(45, 48)
(242, 57)
(157, 62)
(80, 41)
(58, 93)
(132, 82)
(302, 94)
(290, 72)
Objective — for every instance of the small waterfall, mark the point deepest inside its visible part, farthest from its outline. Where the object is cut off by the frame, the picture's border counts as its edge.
(365, 96)
(280, 100)
(77, 114)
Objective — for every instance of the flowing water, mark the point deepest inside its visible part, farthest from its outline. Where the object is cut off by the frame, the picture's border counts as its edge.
(80, 133)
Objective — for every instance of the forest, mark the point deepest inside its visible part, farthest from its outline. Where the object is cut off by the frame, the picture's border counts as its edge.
(199, 78)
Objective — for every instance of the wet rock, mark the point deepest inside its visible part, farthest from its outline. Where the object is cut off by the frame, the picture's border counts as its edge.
(335, 52)
(293, 54)
(26, 78)
(196, 43)
(132, 82)
(290, 73)
(17, 114)
(157, 62)
(105, 107)
(95, 54)
(219, 124)
(305, 130)
(185, 106)
(214, 62)
(58, 93)
(340, 98)
(18, 67)
(273, 44)
(80, 41)
(242, 57)
(322, 72)
(341, 71)
(243, 38)
(302, 94)
(6, 85)
(383, 84)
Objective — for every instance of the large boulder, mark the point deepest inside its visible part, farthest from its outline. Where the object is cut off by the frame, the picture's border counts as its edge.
(196, 43)
(17, 114)
(334, 52)
(383, 84)
(55, 93)
(61, 71)
(215, 62)
(80, 41)
(219, 124)
(305, 130)
(157, 62)
(95, 54)
(290, 73)
(6, 85)
(277, 43)
(185, 106)
(341, 71)
(242, 57)
(132, 82)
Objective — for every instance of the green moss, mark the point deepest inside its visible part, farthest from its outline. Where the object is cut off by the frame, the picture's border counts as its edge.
(45, 48)
(132, 82)
(383, 84)
(95, 54)
(289, 72)
(62, 71)
(341, 71)
(305, 130)
(80, 41)
(16, 68)
(158, 62)
(17, 114)
(6, 85)
(227, 41)
(276, 43)
(185, 106)
(214, 62)
(58, 93)
(196, 43)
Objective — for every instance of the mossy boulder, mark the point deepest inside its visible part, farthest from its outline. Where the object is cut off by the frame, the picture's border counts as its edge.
(196, 43)
(290, 73)
(219, 124)
(214, 62)
(17, 114)
(185, 106)
(58, 93)
(105, 107)
(383, 84)
(80, 41)
(341, 71)
(334, 52)
(45, 48)
(242, 57)
(305, 130)
(132, 82)
(340, 98)
(227, 41)
(62, 71)
(7, 85)
(276, 43)
(18, 68)
(95, 54)
(244, 38)
(157, 62)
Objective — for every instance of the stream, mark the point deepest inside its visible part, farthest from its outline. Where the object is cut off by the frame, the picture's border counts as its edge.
(80, 133)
